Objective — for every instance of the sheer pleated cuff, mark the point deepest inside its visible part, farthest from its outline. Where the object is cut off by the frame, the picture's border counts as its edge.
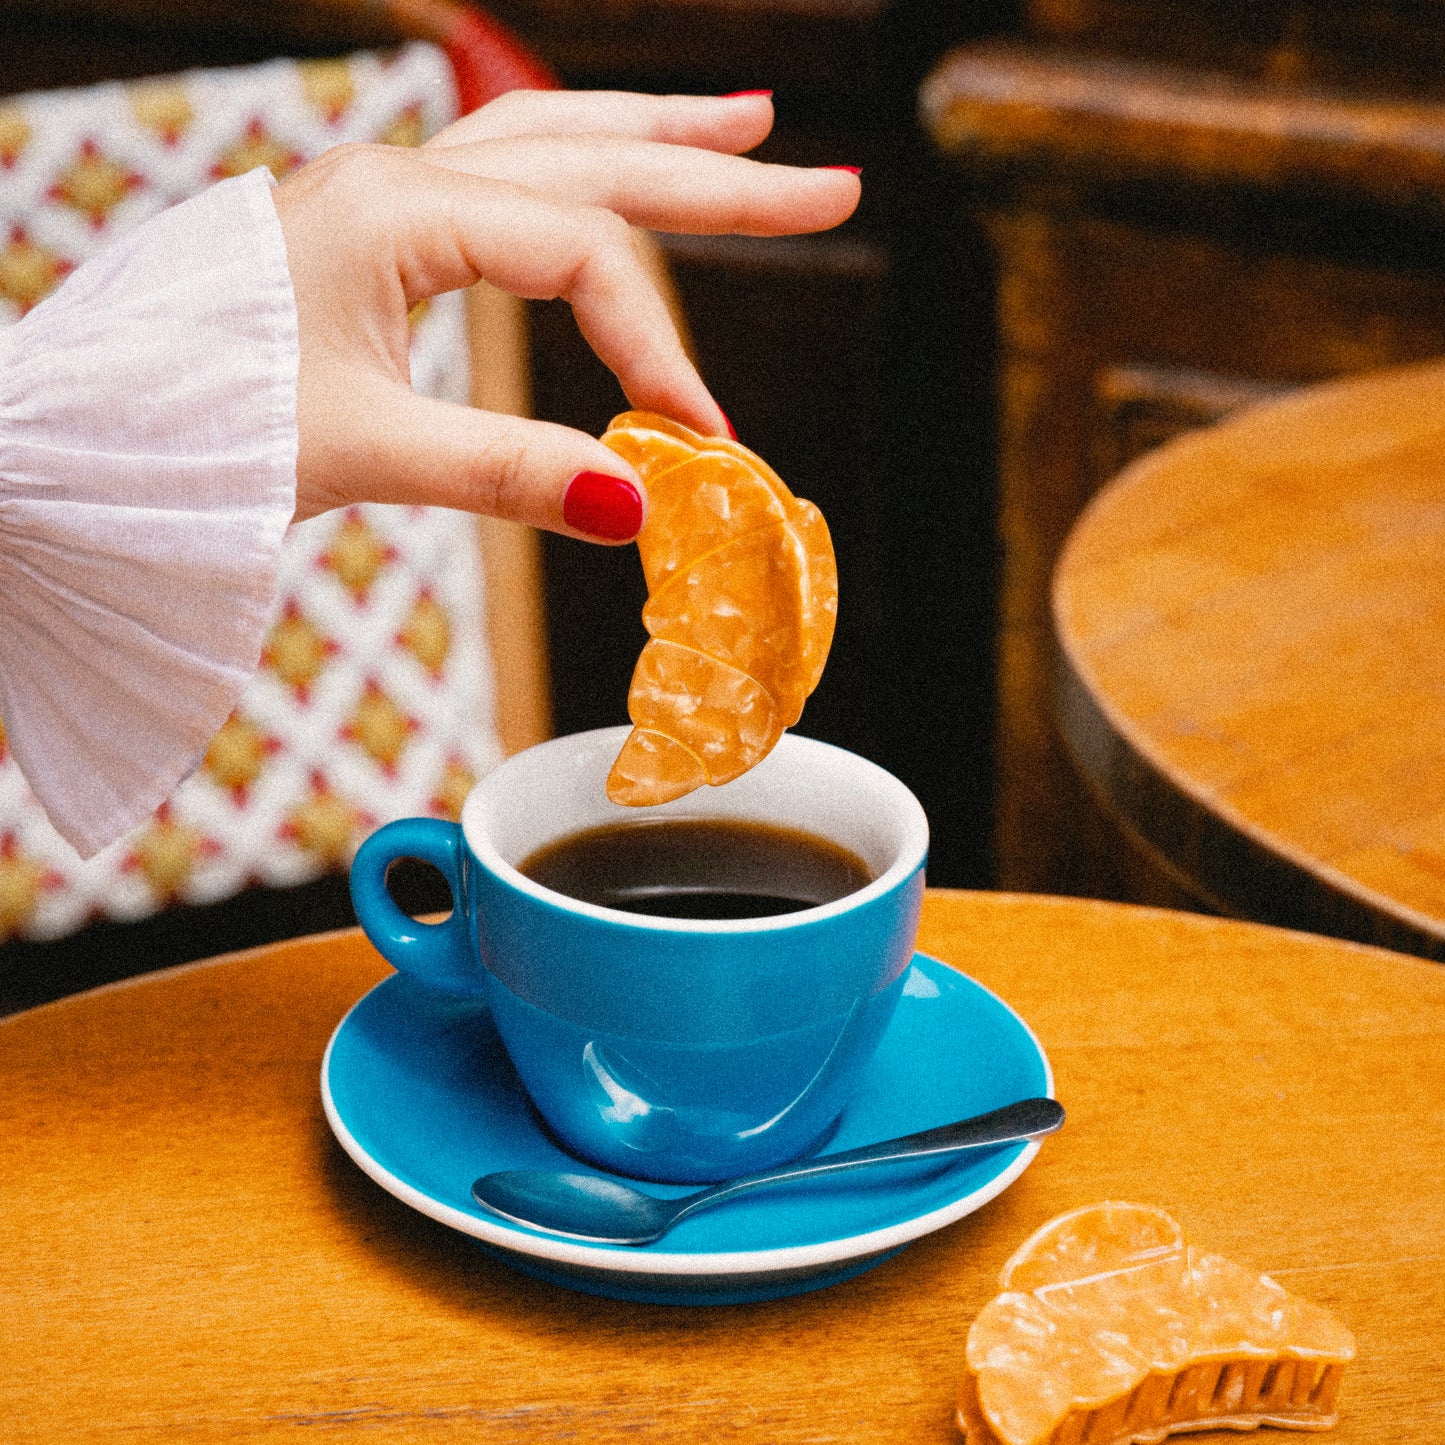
(147, 478)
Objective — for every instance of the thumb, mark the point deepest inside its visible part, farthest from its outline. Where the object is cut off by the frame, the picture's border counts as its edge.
(405, 448)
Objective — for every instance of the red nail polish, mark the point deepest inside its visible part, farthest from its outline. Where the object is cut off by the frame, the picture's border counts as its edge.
(727, 422)
(852, 170)
(603, 506)
(738, 94)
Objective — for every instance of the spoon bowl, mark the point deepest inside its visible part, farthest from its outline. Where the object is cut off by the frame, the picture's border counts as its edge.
(604, 1210)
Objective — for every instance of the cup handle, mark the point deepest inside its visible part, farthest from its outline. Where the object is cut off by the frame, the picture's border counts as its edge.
(439, 954)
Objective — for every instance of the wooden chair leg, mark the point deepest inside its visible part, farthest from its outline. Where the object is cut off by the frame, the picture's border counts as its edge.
(511, 553)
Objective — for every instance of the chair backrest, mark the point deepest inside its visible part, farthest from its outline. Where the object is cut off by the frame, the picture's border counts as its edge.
(379, 695)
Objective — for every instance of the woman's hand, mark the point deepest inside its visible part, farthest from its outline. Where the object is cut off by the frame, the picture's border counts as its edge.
(535, 193)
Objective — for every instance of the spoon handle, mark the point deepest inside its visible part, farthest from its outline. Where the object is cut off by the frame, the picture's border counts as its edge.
(1026, 1119)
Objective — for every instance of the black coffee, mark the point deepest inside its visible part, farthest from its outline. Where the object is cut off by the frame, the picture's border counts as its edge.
(698, 868)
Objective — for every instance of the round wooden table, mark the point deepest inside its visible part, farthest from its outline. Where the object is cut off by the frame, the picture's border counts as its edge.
(185, 1253)
(1251, 629)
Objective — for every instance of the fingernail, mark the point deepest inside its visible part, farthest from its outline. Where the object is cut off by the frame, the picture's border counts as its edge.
(603, 506)
(727, 422)
(738, 94)
(852, 170)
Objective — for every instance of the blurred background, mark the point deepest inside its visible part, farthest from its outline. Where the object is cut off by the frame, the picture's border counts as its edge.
(1087, 226)
(856, 362)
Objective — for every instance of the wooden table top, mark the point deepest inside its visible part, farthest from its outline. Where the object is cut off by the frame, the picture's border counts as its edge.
(1251, 671)
(185, 1253)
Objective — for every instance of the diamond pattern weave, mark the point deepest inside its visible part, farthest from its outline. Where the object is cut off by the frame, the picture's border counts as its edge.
(375, 695)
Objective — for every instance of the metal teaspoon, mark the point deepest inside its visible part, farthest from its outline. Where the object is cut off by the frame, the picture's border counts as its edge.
(604, 1210)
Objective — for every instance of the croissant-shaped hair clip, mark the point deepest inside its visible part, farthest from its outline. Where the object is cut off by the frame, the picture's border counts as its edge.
(742, 596)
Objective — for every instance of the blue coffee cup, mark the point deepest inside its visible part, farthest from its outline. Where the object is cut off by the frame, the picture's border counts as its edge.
(671, 1049)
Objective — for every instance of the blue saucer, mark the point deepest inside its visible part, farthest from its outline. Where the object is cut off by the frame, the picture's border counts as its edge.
(420, 1093)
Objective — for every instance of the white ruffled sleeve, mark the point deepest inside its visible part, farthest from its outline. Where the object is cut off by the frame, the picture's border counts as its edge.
(147, 478)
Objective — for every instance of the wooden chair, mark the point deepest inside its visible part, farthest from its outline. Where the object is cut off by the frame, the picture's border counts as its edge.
(1189, 205)
(483, 61)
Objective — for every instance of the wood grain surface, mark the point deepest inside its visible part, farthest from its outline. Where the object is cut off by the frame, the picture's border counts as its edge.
(1081, 300)
(1191, 202)
(1383, 45)
(1115, 117)
(185, 1254)
(1249, 623)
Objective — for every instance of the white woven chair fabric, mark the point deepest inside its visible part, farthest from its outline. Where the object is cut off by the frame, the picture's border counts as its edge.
(375, 698)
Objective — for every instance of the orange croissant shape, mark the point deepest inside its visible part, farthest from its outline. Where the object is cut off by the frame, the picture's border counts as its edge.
(1112, 1330)
(742, 595)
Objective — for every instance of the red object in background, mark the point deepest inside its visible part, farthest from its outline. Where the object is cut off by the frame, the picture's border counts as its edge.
(487, 59)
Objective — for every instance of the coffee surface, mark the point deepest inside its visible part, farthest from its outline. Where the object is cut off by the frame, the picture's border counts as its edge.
(698, 868)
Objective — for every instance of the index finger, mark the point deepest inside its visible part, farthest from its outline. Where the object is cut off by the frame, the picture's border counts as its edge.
(665, 187)
(732, 124)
